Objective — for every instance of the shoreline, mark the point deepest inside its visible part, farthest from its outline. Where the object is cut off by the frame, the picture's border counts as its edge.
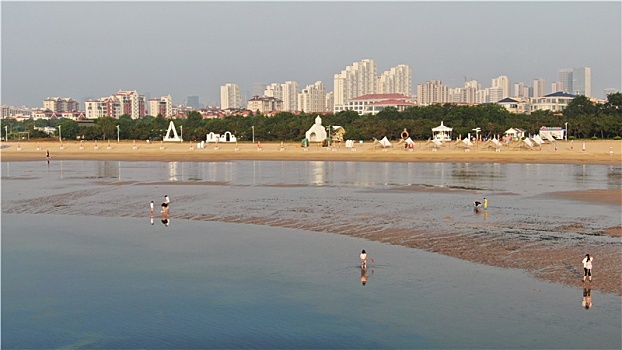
(600, 152)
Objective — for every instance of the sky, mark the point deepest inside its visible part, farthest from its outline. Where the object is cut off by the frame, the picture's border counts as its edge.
(94, 49)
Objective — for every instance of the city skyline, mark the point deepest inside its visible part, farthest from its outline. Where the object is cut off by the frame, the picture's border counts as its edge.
(89, 56)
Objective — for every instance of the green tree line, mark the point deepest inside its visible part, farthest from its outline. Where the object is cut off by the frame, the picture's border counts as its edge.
(584, 120)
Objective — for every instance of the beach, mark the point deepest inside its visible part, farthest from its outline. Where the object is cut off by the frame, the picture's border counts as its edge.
(553, 260)
(566, 152)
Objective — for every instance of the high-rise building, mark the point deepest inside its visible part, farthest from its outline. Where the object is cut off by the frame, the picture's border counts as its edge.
(230, 96)
(264, 104)
(290, 96)
(502, 82)
(582, 81)
(433, 91)
(273, 90)
(564, 77)
(132, 103)
(161, 106)
(312, 99)
(122, 103)
(519, 90)
(193, 101)
(557, 87)
(354, 81)
(539, 87)
(57, 104)
(397, 80)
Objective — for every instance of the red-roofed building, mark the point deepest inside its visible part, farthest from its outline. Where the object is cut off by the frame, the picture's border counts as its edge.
(374, 103)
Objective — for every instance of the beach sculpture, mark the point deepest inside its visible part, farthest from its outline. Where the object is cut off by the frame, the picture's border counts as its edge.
(226, 137)
(174, 137)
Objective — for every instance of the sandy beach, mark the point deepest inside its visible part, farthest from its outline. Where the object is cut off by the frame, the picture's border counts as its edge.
(494, 250)
(567, 152)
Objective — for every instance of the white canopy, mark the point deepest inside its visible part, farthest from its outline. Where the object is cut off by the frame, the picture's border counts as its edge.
(385, 142)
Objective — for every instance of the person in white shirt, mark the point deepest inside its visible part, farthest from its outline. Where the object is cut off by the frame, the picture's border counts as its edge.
(587, 267)
(165, 203)
(363, 257)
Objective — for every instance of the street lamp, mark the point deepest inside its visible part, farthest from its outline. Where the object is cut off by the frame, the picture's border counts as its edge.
(60, 137)
(566, 123)
(117, 134)
(253, 127)
(477, 130)
(6, 133)
(181, 136)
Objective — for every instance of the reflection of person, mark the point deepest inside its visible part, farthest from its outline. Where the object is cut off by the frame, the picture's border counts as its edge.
(165, 219)
(363, 276)
(47, 154)
(587, 267)
(587, 298)
(363, 257)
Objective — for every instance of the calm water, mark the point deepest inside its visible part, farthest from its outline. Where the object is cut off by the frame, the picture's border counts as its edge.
(87, 278)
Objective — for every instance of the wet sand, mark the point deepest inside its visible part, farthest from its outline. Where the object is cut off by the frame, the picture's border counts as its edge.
(567, 152)
(555, 260)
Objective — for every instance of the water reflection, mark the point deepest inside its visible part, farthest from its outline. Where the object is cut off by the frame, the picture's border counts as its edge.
(587, 297)
(104, 169)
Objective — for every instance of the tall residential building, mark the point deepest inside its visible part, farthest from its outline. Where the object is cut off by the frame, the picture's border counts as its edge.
(397, 80)
(290, 96)
(273, 90)
(193, 101)
(57, 104)
(519, 90)
(312, 99)
(354, 81)
(329, 104)
(122, 103)
(557, 87)
(161, 106)
(495, 94)
(564, 77)
(502, 82)
(230, 96)
(582, 81)
(539, 87)
(433, 91)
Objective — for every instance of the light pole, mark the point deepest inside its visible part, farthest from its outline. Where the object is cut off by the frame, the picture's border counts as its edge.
(117, 134)
(253, 127)
(477, 130)
(181, 128)
(566, 133)
(6, 133)
(60, 137)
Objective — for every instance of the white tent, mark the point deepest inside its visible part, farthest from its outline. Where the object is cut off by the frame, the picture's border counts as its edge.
(385, 142)
(467, 142)
(549, 137)
(538, 139)
(528, 141)
(409, 141)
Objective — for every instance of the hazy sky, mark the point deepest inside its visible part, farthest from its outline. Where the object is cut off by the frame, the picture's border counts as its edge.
(94, 49)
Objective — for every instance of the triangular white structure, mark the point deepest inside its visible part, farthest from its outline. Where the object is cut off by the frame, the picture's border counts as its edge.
(467, 142)
(528, 141)
(176, 138)
(549, 137)
(409, 141)
(385, 142)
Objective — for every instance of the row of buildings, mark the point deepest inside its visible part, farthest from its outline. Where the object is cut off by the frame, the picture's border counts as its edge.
(358, 87)
(361, 79)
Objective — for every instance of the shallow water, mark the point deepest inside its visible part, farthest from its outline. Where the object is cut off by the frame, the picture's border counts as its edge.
(83, 267)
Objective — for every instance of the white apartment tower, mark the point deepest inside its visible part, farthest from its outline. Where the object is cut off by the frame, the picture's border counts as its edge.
(582, 81)
(290, 96)
(539, 87)
(502, 82)
(132, 103)
(433, 91)
(274, 90)
(356, 80)
(312, 99)
(230, 96)
(397, 80)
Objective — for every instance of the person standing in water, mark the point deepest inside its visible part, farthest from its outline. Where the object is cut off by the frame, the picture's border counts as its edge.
(165, 203)
(485, 203)
(363, 257)
(151, 208)
(587, 267)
